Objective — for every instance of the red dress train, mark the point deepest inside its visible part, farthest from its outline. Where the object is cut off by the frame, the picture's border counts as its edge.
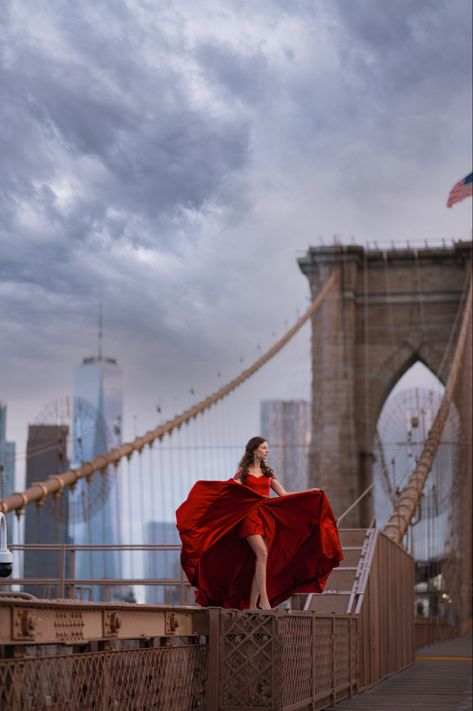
(300, 532)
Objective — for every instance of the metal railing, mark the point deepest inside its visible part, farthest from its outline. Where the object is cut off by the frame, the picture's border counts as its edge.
(78, 656)
(70, 586)
(386, 611)
(354, 504)
(429, 630)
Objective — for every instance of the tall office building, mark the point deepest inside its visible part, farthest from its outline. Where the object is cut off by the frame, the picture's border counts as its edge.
(46, 455)
(98, 412)
(286, 426)
(162, 564)
(7, 457)
(7, 465)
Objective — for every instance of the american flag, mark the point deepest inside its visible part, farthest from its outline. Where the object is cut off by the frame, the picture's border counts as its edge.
(460, 190)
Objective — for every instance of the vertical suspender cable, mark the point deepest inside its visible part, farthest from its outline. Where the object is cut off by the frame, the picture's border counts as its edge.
(117, 556)
(367, 443)
(131, 509)
(19, 500)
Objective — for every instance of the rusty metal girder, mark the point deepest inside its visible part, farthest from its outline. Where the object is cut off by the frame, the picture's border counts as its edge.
(61, 622)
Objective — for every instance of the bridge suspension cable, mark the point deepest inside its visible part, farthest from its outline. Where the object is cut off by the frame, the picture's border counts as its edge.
(410, 496)
(56, 483)
(384, 467)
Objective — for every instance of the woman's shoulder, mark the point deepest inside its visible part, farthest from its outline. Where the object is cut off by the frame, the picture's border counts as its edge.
(269, 473)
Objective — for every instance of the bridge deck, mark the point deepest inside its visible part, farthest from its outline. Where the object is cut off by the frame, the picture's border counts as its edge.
(441, 678)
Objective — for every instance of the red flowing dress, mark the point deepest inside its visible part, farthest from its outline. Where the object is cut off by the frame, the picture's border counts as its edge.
(299, 529)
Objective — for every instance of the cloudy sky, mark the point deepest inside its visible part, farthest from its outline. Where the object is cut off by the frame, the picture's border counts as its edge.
(175, 158)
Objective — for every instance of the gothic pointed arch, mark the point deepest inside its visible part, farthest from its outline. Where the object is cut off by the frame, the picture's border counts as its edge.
(393, 307)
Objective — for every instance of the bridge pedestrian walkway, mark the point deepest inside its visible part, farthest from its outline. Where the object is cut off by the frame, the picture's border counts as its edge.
(440, 679)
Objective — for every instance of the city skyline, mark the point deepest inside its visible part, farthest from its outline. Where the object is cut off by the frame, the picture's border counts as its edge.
(176, 177)
(286, 425)
(97, 417)
(7, 456)
(223, 222)
(162, 564)
(47, 454)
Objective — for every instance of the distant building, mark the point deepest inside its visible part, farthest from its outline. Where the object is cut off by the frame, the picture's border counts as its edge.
(162, 564)
(7, 457)
(46, 455)
(97, 428)
(286, 426)
(7, 466)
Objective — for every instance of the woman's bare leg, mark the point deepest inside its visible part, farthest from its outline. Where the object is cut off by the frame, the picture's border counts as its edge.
(254, 594)
(258, 584)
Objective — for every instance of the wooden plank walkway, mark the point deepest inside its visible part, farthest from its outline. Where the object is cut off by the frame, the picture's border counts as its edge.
(440, 680)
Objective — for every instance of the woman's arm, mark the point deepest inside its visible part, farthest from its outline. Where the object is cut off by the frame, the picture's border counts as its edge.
(277, 487)
(281, 491)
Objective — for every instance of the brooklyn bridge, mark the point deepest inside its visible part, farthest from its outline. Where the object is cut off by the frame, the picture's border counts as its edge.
(97, 613)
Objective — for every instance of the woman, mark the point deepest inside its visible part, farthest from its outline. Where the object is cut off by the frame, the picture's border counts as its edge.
(243, 549)
(255, 473)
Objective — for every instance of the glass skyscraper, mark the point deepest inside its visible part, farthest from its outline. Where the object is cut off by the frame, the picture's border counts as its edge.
(46, 455)
(286, 426)
(7, 460)
(7, 457)
(95, 505)
(162, 564)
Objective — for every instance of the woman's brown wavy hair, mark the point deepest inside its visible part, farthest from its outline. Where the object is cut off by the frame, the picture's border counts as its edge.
(249, 458)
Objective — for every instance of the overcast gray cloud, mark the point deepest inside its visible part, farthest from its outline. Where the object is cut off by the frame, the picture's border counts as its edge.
(176, 157)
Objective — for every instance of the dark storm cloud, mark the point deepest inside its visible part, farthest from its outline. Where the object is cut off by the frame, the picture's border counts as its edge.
(245, 76)
(175, 156)
(151, 151)
(150, 168)
(104, 147)
(408, 59)
(406, 89)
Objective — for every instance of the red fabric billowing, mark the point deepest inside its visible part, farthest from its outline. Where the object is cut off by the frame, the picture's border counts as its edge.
(300, 532)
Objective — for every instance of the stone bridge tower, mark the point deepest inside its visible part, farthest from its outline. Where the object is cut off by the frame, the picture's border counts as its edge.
(391, 308)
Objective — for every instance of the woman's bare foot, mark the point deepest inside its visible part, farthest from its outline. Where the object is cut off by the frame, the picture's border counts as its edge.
(264, 605)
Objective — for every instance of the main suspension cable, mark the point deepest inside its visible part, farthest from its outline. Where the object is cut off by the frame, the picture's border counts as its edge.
(409, 498)
(57, 482)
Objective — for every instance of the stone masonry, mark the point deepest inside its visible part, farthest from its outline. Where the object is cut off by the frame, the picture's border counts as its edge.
(391, 308)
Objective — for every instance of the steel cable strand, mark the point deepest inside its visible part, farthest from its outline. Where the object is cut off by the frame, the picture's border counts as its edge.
(410, 496)
(56, 483)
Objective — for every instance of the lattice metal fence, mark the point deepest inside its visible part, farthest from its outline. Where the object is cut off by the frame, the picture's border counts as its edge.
(250, 661)
(169, 678)
(247, 659)
(280, 661)
(82, 656)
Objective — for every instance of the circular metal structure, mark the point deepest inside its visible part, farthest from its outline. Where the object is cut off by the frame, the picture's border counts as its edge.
(85, 435)
(403, 427)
